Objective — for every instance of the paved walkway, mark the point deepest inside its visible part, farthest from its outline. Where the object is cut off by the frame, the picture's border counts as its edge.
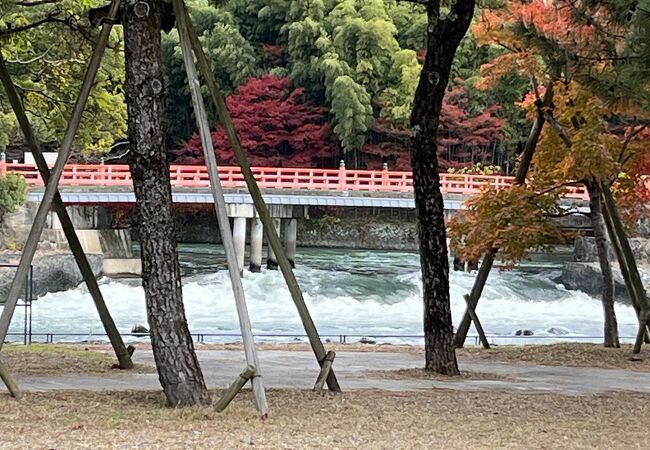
(293, 369)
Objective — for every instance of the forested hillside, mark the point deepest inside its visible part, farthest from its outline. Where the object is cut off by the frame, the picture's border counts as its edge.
(355, 64)
(310, 81)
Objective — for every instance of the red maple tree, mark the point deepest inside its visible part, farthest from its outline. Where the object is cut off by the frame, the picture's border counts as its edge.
(275, 126)
(463, 138)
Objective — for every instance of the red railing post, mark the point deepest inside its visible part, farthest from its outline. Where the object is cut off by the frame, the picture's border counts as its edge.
(342, 176)
(384, 177)
(102, 176)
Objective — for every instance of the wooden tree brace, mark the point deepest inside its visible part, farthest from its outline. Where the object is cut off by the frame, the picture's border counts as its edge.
(51, 186)
(8, 380)
(234, 388)
(183, 23)
(477, 323)
(325, 369)
(644, 328)
(256, 195)
(122, 354)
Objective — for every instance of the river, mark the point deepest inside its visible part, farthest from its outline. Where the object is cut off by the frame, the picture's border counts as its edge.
(349, 292)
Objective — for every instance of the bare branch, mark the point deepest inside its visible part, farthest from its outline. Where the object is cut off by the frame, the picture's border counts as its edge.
(558, 128)
(37, 2)
(627, 141)
(47, 19)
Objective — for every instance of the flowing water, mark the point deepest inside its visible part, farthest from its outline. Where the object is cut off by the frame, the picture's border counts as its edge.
(349, 292)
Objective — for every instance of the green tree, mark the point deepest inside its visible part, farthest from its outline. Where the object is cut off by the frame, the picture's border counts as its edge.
(13, 192)
(46, 46)
(235, 61)
(352, 113)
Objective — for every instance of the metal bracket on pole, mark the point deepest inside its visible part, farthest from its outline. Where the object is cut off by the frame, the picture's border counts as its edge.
(258, 201)
(53, 181)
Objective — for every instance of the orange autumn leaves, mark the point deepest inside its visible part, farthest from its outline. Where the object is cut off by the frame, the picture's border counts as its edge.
(601, 140)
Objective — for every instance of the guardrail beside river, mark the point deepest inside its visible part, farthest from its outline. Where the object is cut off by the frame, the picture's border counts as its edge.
(342, 179)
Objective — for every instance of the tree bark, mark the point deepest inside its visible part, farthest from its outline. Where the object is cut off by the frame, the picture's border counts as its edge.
(178, 367)
(444, 36)
(598, 225)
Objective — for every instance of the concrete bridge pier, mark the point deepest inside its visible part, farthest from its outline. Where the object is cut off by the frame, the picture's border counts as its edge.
(271, 260)
(290, 240)
(239, 239)
(257, 241)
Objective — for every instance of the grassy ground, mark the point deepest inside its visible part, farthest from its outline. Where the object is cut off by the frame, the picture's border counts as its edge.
(421, 374)
(575, 355)
(302, 419)
(51, 359)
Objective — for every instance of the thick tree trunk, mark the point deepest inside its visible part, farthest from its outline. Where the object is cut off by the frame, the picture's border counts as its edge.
(598, 225)
(444, 36)
(178, 367)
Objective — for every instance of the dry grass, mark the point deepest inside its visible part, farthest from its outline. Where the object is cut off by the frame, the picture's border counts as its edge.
(299, 347)
(52, 359)
(302, 419)
(569, 355)
(421, 374)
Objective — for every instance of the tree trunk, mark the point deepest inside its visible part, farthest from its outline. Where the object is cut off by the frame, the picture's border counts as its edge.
(598, 225)
(178, 366)
(444, 36)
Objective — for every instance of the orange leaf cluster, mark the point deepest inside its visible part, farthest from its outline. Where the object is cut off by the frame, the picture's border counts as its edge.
(514, 220)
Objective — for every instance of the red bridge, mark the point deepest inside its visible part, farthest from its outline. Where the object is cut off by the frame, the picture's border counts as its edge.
(341, 180)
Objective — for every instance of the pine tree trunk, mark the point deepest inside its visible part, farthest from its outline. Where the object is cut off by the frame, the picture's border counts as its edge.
(444, 36)
(598, 225)
(178, 366)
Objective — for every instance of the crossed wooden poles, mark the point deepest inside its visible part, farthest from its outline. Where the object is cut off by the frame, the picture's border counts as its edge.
(626, 261)
(615, 231)
(189, 44)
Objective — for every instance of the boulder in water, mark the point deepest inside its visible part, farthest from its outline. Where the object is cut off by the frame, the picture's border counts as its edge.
(367, 340)
(52, 272)
(138, 328)
(558, 331)
(524, 333)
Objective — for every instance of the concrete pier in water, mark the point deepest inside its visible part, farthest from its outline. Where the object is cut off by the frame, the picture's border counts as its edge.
(257, 241)
(271, 260)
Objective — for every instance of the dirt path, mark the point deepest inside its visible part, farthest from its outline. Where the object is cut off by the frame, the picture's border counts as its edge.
(298, 370)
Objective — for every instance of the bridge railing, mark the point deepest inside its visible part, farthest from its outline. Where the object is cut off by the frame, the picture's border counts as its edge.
(341, 179)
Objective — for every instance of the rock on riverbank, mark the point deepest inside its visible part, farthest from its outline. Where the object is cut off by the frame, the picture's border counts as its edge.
(587, 277)
(53, 272)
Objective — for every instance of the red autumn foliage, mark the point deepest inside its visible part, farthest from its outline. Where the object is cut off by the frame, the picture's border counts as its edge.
(276, 128)
(462, 138)
(273, 53)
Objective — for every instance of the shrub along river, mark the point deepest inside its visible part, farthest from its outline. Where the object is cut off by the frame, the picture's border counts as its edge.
(349, 292)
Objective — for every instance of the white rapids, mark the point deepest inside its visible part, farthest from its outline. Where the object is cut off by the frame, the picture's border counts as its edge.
(349, 292)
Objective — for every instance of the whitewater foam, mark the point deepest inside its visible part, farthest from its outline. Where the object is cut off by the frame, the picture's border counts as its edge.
(359, 293)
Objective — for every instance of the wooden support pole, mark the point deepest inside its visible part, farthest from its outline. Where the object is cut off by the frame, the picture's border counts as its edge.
(644, 326)
(51, 187)
(324, 371)
(122, 354)
(8, 380)
(220, 205)
(520, 178)
(474, 295)
(628, 267)
(260, 206)
(477, 323)
(625, 270)
(234, 388)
